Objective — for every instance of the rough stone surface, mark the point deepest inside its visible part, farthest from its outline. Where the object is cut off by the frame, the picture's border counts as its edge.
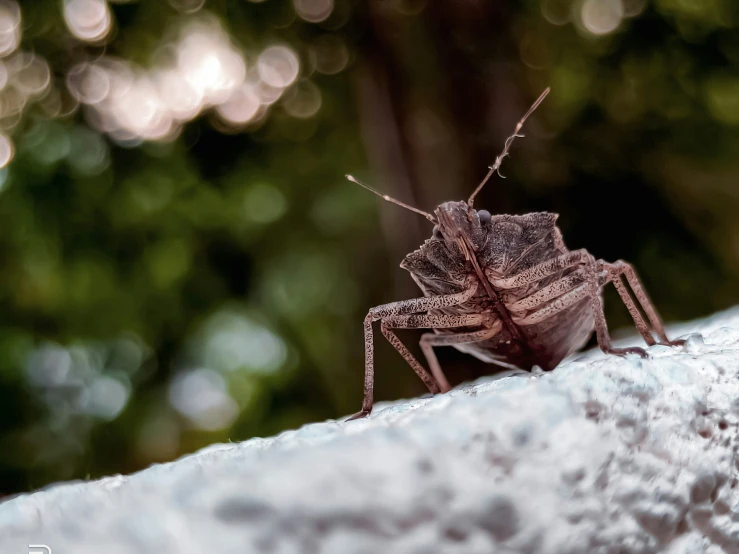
(603, 455)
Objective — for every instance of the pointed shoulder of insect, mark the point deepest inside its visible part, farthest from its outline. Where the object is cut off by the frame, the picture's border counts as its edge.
(433, 261)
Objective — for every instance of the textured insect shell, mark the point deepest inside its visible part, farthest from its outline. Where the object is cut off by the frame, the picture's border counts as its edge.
(506, 246)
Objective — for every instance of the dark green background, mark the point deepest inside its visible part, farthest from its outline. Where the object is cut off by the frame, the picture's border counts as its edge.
(120, 269)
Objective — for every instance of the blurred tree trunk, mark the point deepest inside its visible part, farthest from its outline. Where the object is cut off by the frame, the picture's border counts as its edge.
(431, 132)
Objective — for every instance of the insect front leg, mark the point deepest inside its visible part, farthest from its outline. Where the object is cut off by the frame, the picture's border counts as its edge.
(429, 340)
(437, 383)
(403, 307)
(615, 270)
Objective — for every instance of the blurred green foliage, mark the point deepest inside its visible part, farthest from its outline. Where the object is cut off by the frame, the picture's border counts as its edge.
(160, 294)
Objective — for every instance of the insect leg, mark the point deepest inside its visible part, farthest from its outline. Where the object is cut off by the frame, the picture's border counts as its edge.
(613, 275)
(542, 270)
(548, 293)
(601, 327)
(588, 289)
(569, 282)
(438, 382)
(429, 340)
(402, 307)
(620, 267)
(557, 305)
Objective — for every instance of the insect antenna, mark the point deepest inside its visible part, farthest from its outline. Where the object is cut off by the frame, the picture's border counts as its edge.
(428, 216)
(499, 160)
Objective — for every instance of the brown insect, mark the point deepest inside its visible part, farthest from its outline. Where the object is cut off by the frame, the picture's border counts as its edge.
(505, 289)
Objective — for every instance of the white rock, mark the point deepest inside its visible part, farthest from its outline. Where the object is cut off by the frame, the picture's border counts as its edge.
(604, 454)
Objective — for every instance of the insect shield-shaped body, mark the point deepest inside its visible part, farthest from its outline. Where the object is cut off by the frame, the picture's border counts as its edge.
(474, 247)
(504, 289)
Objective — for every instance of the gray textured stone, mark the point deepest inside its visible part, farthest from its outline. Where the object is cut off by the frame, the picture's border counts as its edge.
(604, 454)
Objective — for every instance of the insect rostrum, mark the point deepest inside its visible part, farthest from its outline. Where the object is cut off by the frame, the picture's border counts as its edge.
(505, 289)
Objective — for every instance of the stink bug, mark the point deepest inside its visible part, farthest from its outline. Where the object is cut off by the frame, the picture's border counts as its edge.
(505, 289)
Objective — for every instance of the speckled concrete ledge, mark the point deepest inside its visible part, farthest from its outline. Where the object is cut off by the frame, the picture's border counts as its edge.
(602, 455)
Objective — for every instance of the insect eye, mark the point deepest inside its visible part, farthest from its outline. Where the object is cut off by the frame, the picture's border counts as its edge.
(484, 216)
(436, 233)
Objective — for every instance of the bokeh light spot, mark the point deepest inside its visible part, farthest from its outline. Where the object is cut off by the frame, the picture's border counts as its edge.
(266, 93)
(264, 203)
(89, 153)
(241, 107)
(187, 6)
(7, 151)
(182, 99)
(32, 75)
(88, 20)
(169, 261)
(722, 98)
(78, 379)
(10, 26)
(303, 100)
(535, 51)
(204, 70)
(632, 8)
(3, 75)
(231, 341)
(278, 66)
(601, 17)
(49, 366)
(12, 102)
(557, 12)
(313, 11)
(48, 141)
(200, 395)
(88, 83)
(3, 178)
(105, 398)
(329, 54)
